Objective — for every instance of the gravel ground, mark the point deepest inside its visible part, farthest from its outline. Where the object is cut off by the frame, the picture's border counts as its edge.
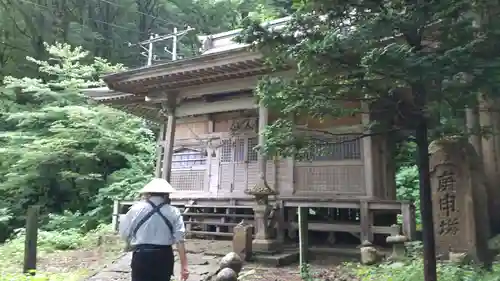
(204, 257)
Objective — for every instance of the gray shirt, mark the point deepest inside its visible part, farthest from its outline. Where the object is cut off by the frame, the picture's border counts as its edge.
(154, 231)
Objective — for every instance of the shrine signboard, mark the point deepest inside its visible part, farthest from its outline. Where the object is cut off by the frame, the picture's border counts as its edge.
(458, 199)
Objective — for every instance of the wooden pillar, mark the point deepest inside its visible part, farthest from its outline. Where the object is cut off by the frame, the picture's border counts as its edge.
(366, 220)
(473, 128)
(262, 158)
(281, 224)
(30, 246)
(389, 169)
(160, 149)
(409, 223)
(287, 184)
(116, 214)
(367, 151)
(169, 108)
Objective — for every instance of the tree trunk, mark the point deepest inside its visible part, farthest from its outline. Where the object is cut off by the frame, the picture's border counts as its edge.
(422, 141)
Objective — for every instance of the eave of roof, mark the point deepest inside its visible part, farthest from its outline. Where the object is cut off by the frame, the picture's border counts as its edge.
(221, 45)
(171, 65)
(197, 71)
(105, 94)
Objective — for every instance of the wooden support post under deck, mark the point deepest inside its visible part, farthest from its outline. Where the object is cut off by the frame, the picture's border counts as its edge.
(366, 220)
(281, 224)
(303, 236)
(169, 107)
(367, 150)
(409, 227)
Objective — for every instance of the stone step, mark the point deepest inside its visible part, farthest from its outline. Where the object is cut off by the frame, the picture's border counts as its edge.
(285, 258)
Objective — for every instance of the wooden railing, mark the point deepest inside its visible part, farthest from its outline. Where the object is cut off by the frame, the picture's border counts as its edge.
(221, 215)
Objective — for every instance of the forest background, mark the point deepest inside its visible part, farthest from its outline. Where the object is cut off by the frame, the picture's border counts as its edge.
(74, 157)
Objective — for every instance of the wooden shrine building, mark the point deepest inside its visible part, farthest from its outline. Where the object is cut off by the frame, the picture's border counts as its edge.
(210, 124)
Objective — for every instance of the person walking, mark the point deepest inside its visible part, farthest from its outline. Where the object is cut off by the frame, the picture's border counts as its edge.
(150, 228)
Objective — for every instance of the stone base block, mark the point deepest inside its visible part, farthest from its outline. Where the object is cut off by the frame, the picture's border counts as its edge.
(266, 246)
(278, 259)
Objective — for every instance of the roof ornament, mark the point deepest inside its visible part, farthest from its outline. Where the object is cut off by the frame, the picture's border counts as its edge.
(206, 42)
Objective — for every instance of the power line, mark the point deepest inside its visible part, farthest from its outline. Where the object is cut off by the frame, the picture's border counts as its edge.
(154, 38)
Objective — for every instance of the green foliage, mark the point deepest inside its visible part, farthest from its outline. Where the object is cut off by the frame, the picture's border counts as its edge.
(66, 154)
(50, 242)
(413, 271)
(408, 63)
(305, 272)
(104, 27)
(408, 189)
(5, 219)
(405, 154)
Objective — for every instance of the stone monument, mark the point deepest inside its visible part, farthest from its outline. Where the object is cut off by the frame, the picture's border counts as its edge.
(242, 240)
(459, 199)
(262, 241)
(369, 254)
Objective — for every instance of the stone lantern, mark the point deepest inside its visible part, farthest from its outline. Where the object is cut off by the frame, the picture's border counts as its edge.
(398, 243)
(262, 241)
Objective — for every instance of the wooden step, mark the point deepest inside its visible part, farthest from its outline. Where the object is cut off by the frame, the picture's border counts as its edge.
(341, 227)
(224, 234)
(212, 223)
(219, 215)
(220, 206)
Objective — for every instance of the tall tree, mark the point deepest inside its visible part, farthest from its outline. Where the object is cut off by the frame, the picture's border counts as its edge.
(60, 151)
(106, 27)
(408, 59)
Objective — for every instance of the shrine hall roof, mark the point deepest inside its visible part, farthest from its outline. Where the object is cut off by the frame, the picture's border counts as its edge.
(173, 76)
(222, 59)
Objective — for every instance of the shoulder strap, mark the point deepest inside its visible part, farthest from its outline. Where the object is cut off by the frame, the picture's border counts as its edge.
(157, 209)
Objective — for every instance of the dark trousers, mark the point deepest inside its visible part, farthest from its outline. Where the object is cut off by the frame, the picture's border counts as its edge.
(152, 263)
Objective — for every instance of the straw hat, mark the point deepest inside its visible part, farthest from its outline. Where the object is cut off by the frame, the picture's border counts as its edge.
(157, 185)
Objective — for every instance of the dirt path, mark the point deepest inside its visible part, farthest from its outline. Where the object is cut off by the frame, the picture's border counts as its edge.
(204, 256)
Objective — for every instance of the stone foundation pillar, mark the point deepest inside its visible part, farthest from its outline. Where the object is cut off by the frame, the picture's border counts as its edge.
(263, 242)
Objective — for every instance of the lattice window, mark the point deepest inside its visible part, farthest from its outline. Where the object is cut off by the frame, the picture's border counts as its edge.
(239, 150)
(226, 151)
(252, 151)
(188, 159)
(345, 147)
